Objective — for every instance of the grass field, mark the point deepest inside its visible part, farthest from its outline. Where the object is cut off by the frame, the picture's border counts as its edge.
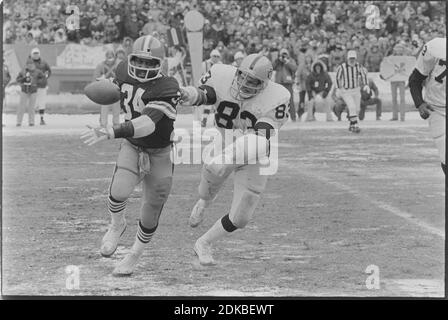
(338, 204)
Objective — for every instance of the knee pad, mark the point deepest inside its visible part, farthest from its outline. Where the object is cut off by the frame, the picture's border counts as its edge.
(154, 198)
(243, 210)
(212, 178)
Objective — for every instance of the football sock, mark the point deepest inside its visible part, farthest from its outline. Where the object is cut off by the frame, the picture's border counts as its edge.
(353, 120)
(217, 231)
(227, 224)
(116, 210)
(143, 236)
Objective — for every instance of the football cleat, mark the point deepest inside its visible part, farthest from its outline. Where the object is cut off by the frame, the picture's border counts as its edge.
(126, 266)
(204, 252)
(197, 214)
(354, 128)
(110, 240)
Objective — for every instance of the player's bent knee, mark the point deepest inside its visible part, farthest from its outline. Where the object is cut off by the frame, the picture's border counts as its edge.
(244, 210)
(123, 184)
(216, 171)
(212, 179)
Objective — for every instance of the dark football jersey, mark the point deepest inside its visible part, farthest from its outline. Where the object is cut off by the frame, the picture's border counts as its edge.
(135, 96)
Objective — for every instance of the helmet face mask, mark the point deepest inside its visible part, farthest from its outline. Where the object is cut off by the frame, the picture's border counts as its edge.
(144, 68)
(145, 61)
(251, 77)
(245, 85)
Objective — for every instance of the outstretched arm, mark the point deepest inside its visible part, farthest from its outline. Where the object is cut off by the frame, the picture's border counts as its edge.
(139, 127)
(198, 96)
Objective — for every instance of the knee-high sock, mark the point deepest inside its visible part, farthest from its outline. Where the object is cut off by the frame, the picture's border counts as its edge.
(144, 235)
(220, 229)
(116, 209)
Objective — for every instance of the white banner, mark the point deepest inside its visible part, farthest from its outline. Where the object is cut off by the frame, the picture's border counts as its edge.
(397, 68)
(76, 56)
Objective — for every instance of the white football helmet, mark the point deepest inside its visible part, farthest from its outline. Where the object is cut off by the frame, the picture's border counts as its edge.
(251, 77)
(437, 48)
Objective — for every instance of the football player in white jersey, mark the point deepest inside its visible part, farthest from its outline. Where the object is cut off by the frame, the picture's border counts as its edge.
(430, 73)
(245, 99)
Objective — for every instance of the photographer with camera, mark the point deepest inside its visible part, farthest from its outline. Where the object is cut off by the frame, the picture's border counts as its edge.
(285, 70)
(29, 79)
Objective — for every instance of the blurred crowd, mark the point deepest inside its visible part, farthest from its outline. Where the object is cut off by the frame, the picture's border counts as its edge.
(319, 29)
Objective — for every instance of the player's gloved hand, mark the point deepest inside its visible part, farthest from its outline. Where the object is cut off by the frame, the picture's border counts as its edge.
(425, 110)
(97, 134)
(184, 96)
(366, 89)
(188, 95)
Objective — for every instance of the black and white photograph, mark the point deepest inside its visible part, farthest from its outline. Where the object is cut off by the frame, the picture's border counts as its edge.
(223, 149)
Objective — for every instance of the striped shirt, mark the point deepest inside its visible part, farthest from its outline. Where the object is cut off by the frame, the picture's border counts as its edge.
(349, 77)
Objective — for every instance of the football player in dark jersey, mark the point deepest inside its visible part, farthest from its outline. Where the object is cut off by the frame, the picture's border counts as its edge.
(149, 100)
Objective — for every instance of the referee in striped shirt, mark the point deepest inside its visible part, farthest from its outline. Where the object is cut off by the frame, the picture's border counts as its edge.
(350, 77)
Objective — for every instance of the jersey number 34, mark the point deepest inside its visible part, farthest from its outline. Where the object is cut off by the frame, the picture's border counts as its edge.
(131, 101)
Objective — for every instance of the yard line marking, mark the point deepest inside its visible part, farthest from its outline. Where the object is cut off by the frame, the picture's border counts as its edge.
(90, 179)
(380, 204)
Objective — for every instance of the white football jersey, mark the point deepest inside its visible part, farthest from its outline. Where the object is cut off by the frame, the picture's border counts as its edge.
(271, 105)
(431, 62)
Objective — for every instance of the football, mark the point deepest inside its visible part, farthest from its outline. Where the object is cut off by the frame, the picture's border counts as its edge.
(103, 92)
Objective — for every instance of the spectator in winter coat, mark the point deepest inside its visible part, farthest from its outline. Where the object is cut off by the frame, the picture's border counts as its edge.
(285, 71)
(318, 87)
(303, 71)
(374, 58)
(29, 79)
(367, 99)
(42, 87)
(336, 57)
(237, 59)
(111, 32)
(133, 26)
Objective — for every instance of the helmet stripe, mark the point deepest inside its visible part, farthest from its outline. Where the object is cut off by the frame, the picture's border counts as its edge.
(252, 65)
(151, 39)
(145, 43)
